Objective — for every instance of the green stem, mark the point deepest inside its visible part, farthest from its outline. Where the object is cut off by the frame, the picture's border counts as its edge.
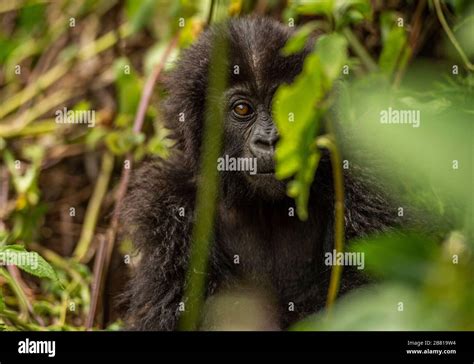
(13, 317)
(22, 300)
(93, 208)
(211, 12)
(359, 50)
(452, 38)
(208, 189)
(327, 142)
(46, 104)
(39, 127)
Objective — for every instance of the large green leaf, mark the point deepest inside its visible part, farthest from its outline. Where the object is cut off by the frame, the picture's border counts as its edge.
(298, 110)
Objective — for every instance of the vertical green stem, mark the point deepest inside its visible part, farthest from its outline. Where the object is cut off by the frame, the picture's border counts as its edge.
(208, 189)
(359, 50)
(452, 38)
(92, 212)
(327, 142)
(22, 300)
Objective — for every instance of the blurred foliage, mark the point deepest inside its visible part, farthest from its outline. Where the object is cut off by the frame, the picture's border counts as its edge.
(98, 55)
(426, 287)
(298, 124)
(422, 284)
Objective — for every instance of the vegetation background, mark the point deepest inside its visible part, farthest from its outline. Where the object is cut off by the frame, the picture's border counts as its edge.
(61, 185)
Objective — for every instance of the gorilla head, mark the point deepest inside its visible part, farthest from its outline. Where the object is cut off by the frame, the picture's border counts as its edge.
(256, 68)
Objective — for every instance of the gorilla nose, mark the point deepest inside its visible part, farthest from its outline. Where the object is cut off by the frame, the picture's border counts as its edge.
(263, 145)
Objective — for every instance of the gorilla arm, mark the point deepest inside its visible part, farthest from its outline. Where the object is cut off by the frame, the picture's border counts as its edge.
(158, 215)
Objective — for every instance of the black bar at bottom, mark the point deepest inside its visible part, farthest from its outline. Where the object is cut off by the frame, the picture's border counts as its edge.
(449, 347)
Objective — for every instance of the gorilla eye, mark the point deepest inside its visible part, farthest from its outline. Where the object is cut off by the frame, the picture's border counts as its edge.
(242, 109)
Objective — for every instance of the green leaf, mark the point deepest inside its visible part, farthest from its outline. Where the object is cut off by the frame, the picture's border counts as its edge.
(159, 144)
(459, 6)
(140, 12)
(94, 136)
(32, 17)
(394, 40)
(7, 46)
(123, 141)
(377, 308)
(384, 253)
(332, 50)
(154, 55)
(28, 181)
(30, 262)
(298, 109)
(322, 7)
(298, 40)
(128, 86)
(348, 12)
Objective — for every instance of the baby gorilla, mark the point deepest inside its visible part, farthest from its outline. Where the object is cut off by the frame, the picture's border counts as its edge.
(257, 239)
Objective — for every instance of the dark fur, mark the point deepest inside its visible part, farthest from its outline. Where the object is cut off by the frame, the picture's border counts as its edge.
(277, 252)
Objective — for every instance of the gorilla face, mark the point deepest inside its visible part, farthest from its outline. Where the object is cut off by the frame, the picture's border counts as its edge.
(256, 68)
(251, 137)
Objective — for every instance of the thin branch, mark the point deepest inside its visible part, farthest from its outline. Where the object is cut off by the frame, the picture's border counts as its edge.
(22, 300)
(93, 208)
(411, 46)
(416, 26)
(17, 320)
(4, 188)
(359, 50)
(97, 280)
(150, 86)
(452, 38)
(25, 292)
(211, 12)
